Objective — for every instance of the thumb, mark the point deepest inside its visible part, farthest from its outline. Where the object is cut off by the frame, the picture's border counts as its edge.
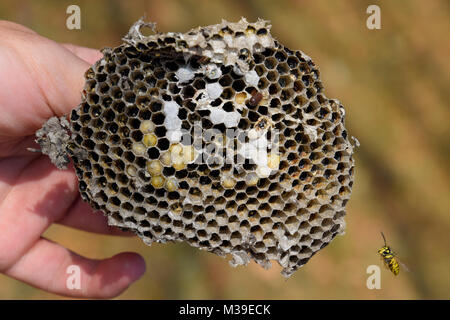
(49, 75)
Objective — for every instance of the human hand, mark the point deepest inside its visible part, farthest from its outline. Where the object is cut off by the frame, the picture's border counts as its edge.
(40, 78)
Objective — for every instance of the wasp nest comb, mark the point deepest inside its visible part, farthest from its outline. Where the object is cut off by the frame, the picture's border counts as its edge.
(220, 137)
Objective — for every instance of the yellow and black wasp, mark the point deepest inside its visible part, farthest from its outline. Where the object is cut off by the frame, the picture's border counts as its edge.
(390, 259)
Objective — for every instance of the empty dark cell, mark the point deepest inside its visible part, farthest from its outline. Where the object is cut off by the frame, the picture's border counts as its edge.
(153, 153)
(158, 118)
(141, 162)
(159, 73)
(129, 156)
(174, 195)
(282, 68)
(289, 143)
(103, 148)
(168, 171)
(341, 166)
(280, 56)
(119, 106)
(124, 132)
(238, 85)
(74, 115)
(227, 94)
(82, 185)
(162, 84)
(160, 131)
(174, 89)
(225, 81)
(229, 193)
(221, 127)
(206, 123)
(268, 52)
(253, 116)
(314, 156)
(161, 193)
(117, 93)
(314, 145)
(144, 224)
(243, 124)
(303, 176)
(199, 84)
(166, 97)
(115, 201)
(310, 93)
(275, 103)
(151, 81)
(334, 116)
(272, 76)
(292, 62)
(148, 188)
(282, 82)
(305, 80)
(285, 95)
(145, 114)
(318, 86)
(288, 132)
(257, 57)
(132, 111)
(298, 137)
(188, 92)
(270, 63)
(259, 70)
(131, 52)
(204, 180)
(86, 132)
(229, 107)
(182, 113)
(183, 185)
(124, 71)
(298, 86)
(155, 106)
(84, 119)
(192, 167)
(137, 197)
(194, 117)
(101, 77)
(172, 66)
(163, 144)
(181, 174)
(137, 76)
(249, 166)
(89, 144)
(338, 155)
(273, 89)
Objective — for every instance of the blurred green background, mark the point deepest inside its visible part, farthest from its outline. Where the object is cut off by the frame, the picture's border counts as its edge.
(394, 84)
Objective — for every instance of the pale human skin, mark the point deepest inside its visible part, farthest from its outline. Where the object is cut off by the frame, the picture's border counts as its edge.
(40, 78)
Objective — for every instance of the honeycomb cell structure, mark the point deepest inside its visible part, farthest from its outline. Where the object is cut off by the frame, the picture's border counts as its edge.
(220, 137)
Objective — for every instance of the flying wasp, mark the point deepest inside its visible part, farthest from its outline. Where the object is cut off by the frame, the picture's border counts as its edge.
(390, 259)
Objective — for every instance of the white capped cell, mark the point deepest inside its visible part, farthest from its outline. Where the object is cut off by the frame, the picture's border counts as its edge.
(184, 74)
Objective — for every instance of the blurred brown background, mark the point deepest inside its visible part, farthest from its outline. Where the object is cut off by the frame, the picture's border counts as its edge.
(394, 85)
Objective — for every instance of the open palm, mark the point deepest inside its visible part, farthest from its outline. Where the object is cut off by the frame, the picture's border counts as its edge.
(39, 79)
